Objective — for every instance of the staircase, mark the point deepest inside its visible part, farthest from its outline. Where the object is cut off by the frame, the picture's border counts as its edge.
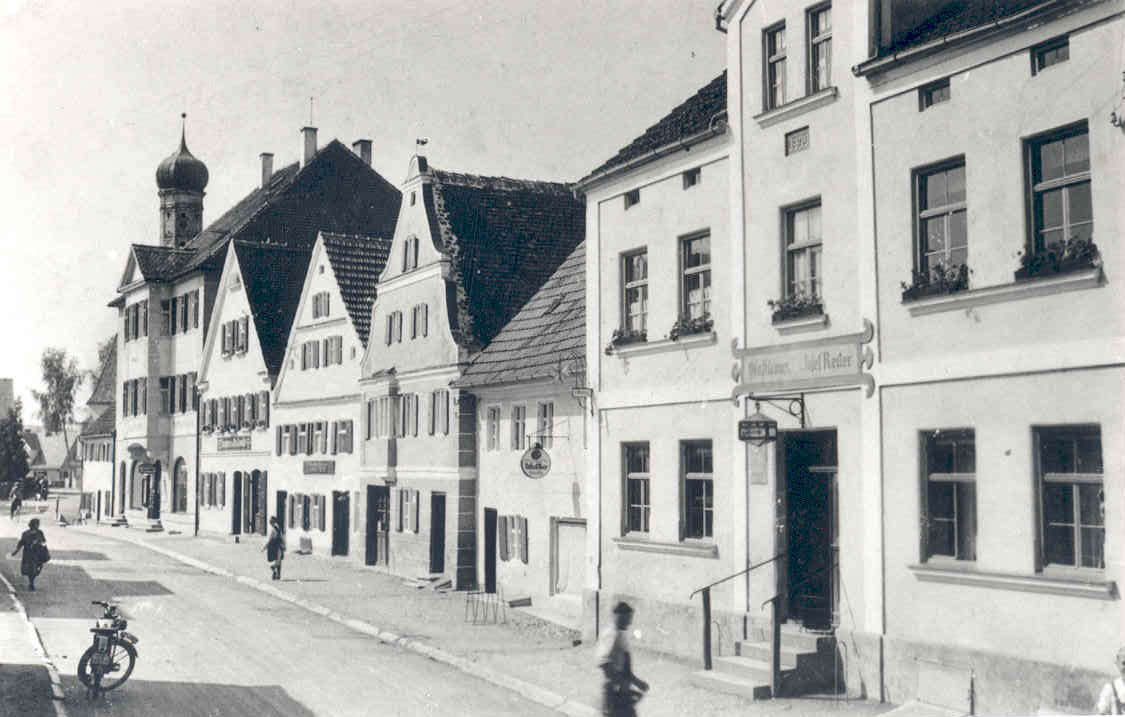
(808, 664)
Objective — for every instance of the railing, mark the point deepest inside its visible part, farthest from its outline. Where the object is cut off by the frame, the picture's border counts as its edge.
(775, 628)
(706, 590)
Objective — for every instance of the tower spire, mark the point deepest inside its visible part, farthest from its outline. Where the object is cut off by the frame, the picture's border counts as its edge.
(183, 131)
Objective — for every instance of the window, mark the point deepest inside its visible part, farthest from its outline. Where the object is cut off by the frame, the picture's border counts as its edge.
(695, 289)
(698, 490)
(410, 253)
(174, 311)
(692, 177)
(492, 422)
(803, 252)
(1049, 53)
(933, 94)
(419, 321)
(408, 414)
(632, 198)
(243, 334)
(546, 419)
(183, 403)
(775, 66)
(950, 498)
(635, 299)
(165, 317)
(439, 412)
(180, 488)
(165, 395)
(820, 48)
(943, 235)
(637, 503)
(1073, 502)
(519, 428)
(193, 301)
(320, 304)
(1060, 187)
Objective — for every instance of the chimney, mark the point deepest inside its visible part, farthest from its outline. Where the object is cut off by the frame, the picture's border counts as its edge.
(362, 147)
(310, 143)
(267, 168)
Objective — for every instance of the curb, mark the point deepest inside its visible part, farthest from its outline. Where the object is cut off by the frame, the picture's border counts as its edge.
(529, 691)
(40, 649)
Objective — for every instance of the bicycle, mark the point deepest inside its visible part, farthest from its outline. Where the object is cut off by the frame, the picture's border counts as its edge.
(112, 654)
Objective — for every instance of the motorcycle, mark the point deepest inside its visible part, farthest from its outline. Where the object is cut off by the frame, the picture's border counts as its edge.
(108, 662)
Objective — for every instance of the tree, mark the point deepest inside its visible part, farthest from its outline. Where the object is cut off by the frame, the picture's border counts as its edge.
(13, 453)
(61, 378)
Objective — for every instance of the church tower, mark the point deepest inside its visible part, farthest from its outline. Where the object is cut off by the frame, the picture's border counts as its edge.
(181, 179)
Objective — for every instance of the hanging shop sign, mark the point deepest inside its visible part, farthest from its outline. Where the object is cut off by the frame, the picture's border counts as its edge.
(820, 363)
(234, 443)
(535, 462)
(319, 468)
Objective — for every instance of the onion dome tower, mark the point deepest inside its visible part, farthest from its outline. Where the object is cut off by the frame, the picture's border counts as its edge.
(181, 179)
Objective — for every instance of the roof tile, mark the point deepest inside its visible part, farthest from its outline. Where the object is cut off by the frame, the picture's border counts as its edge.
(357, 261)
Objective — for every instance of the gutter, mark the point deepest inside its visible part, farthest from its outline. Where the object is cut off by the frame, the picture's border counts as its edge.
(877, 64)
(717, 126)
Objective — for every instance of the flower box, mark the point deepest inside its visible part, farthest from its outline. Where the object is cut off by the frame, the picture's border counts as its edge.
(935, 281)
(624, 337)
(688, 327)
(795, 307)
(1059, 258)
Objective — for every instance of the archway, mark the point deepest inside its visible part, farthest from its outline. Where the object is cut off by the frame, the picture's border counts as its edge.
(179, 486)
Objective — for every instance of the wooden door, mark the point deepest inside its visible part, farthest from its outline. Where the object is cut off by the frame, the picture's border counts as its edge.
(437, 532)
(490, 550)
(340, 511)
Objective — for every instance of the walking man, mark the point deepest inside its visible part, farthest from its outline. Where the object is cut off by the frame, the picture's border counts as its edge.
(618, 695)
(17, 503)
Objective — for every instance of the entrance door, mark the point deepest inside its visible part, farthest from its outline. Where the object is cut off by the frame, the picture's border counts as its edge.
(378, 523)
(810, 521)
(340, 511)
(282, 511)
(437, 532)
(236, 502)
(568, 561)
(490, 550)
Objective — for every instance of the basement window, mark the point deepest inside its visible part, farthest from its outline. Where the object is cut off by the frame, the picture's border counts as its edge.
(1049, 53)
(933, 94)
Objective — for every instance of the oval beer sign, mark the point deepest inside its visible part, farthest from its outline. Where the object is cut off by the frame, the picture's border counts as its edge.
(535, 463)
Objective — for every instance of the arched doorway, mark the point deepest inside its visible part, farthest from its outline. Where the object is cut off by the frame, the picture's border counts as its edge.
(179, 486)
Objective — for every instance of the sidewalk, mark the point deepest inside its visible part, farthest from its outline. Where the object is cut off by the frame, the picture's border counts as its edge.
(535, 658)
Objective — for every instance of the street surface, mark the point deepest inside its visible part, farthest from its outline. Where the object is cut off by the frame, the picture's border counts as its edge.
(210, 646)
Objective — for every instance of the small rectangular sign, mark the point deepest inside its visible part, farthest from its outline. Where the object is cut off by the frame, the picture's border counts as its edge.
(234, 443)
(745, 433)
(318, 468)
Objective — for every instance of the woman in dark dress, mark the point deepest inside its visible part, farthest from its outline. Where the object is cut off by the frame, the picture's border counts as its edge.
(31, 542)
(275, 548)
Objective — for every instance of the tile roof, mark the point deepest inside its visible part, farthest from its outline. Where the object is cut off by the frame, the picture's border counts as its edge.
(922, 22)
(273, 277)
(545, 339)
(161, 263)
(52, 448)
(357, 262)
(504, 237)
(104, 391)
(691, 117)
(103, 425)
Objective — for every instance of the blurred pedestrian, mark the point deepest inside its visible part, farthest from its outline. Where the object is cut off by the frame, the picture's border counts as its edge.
(275, 548)
(618, 696)
(1112, 699)
(34, 545)
(17, 503)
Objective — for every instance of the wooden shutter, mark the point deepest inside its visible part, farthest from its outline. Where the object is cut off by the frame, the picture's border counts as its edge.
(502, 536)
(278, 440)
(194, 309)
(414, 502)
(334, 440)
(244, 333)
(523, 539)
(349, 435)
(398, 513)
(202, 489)
(222, 485)
(289, 511)
(292, 431)
(264, 408)
(323, 436)
(323, 510)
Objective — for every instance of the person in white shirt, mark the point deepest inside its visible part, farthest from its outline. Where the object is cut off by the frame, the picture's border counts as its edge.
(1112, 699)
(618, 696)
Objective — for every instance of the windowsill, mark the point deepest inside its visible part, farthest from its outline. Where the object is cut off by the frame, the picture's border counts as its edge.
(638, 348)
(688, 548)
(966, 573)
(1027, 288)
(801, 324)
(796, 107)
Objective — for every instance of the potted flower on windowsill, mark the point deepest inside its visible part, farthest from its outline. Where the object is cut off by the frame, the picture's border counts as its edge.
(624, 337)
(1074, 254)
(938, 279)
(685, 326)
(795, 307)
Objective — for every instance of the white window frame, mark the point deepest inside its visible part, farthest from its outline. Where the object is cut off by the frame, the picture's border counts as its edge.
(774, 59)
(819, 41)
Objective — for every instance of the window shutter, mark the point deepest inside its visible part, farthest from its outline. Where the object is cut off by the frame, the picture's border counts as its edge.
(390, 324)
(523, 540)
(194, 311)
(278, 440)
(289, 511)
(502, 535)
(322, 511)
(349, 432)
(222, 484)
(323, 436)
(142, 383)
(333, 443)
(414, 501)
(203, 484)
(425, 319)
(398, 511)
(264, 407)
(244, 333)
(291, 430)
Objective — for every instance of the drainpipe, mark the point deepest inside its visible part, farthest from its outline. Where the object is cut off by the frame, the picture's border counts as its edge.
(113, 473)
(196, 402)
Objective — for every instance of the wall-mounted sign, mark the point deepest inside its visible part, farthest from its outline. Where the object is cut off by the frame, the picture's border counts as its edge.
(820, 363)
(319, 468)
(234, 443)
(146, 469)
(535, 463)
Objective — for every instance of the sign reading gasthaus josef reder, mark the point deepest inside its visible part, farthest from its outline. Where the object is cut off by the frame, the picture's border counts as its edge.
(833, 361)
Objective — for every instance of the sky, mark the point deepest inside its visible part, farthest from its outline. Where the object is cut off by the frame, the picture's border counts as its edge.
(92, 95)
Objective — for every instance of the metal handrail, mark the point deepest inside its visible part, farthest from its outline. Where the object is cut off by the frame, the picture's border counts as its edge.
(735, 575)
(807, 578)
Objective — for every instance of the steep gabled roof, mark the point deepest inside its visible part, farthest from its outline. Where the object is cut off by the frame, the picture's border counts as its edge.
(50, 450)
(103, 425)
(357, 262)
(160, 263)
(545, 339)
(923, 22)
(693, 116)
(273, 277)
(104, 390)
(504, 238)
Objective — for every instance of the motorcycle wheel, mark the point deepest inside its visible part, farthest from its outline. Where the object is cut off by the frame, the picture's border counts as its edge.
(123, 654)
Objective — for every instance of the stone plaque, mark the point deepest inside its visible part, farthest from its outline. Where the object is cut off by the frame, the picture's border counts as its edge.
(234, 443)
(319, 468)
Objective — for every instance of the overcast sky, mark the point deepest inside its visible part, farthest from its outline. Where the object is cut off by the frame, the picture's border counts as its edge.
(92, 95)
